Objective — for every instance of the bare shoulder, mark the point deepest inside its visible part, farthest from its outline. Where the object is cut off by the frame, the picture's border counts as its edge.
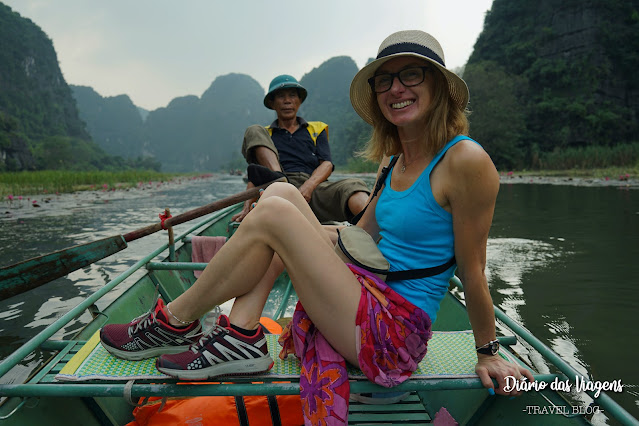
(466, 153)
(471, 168)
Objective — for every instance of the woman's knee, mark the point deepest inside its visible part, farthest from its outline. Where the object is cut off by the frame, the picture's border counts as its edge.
(282, 190)
(272, 211)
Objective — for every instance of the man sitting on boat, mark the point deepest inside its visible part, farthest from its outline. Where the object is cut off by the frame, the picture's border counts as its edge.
(298, 150)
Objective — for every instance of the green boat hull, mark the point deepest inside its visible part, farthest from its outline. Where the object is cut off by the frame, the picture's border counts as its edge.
(42, 400)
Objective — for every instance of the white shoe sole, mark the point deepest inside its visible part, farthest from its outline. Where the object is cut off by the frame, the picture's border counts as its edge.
(229, 368)
(149, 353)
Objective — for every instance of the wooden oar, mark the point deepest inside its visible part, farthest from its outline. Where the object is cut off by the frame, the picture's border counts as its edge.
(32, 273)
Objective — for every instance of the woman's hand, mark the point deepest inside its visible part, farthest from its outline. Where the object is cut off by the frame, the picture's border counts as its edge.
(495, 367)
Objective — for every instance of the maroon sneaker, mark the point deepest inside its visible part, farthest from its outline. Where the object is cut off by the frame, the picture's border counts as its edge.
(149, 335)
(220, 352)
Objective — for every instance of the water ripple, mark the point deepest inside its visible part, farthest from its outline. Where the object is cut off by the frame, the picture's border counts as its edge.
(507, 261)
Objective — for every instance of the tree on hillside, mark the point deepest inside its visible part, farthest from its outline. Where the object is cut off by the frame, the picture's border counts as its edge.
(577, 58)
(497, 117)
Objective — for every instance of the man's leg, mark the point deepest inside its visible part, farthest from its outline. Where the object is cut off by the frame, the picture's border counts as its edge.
(339, 200)
(258, 148)
(260, 152)
(267, 158)
(357, 202)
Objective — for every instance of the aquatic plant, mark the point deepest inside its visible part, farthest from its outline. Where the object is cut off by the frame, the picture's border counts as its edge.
(58, 181)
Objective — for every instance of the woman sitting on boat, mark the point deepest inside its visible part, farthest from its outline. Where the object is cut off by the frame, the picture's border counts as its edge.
(437, 203)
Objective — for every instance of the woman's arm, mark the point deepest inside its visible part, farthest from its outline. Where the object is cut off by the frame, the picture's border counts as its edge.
(472, 187)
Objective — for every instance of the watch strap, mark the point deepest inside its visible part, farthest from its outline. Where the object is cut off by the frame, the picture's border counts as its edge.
(490, 348)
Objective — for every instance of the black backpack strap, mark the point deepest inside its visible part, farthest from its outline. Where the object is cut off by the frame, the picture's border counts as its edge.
(411, 274)
(242, 415)
(275, 410)
(378, 186)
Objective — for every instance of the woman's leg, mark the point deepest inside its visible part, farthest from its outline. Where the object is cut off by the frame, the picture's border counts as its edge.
(244, 312)
(282, 223)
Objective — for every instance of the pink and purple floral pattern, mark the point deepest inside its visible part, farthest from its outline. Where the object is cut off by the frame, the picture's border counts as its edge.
(393, 339)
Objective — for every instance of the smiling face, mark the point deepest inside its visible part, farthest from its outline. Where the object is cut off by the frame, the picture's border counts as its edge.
(405, 106)
(286, 102)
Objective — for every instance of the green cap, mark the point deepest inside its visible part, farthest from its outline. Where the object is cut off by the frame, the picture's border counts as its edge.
(283, 82)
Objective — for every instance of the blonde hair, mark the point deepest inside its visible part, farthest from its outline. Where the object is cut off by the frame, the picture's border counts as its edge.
(444, 120)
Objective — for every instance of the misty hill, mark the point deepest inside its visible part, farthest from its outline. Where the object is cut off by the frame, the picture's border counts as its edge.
(545, 77)
(113, 122)
(205, 133)
(39, 123)
(551, 75)
(328, 100)
(193, 134)
(29, 66)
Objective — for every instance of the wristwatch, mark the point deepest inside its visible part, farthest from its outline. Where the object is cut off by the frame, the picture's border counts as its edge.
(490, 348)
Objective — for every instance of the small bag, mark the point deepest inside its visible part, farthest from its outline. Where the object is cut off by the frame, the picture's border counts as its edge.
(356, 246)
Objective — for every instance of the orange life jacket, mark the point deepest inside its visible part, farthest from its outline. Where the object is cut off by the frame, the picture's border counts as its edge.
(270, 410)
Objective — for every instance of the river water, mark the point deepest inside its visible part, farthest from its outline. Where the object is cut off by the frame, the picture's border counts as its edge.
(562, 260)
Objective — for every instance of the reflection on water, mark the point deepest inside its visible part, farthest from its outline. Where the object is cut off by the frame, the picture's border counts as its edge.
(507, 260)
(562, 261)
(576, 251)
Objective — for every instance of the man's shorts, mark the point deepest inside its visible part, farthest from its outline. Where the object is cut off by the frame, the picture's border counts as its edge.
(330, 199)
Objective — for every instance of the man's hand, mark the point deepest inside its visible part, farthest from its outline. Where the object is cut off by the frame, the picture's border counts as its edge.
(306, 190)
(319, 175)
(489, 367)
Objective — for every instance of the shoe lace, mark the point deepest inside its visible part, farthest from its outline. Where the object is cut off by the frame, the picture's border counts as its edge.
(212, 334)
(142, 322)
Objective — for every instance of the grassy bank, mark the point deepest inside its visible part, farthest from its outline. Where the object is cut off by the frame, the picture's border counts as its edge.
(615, 172)
(15, 184)
(618, 173)
(584, 162)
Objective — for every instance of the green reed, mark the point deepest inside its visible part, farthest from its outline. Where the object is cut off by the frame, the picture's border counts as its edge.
(592, 157)
(58, 181)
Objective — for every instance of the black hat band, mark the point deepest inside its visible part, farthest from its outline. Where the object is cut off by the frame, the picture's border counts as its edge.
(411, 48)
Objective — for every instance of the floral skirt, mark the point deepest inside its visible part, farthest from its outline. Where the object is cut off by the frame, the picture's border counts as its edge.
(392, 338)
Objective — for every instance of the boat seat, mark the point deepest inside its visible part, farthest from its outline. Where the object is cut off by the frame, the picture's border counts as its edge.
(87, 369)
(450, 355)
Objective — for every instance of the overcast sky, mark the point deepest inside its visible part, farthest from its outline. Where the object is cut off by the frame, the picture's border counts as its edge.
(156, 50)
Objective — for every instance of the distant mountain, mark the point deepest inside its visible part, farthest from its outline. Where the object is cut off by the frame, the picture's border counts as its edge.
(39, 122)
(206, 133)
(328, 100)
(32, 88)
(143, 113)
(544, 77)
(113, 122)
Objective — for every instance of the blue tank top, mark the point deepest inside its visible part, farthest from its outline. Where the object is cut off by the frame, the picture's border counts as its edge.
(417, 233)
